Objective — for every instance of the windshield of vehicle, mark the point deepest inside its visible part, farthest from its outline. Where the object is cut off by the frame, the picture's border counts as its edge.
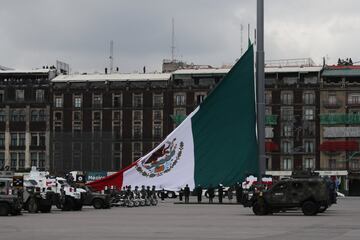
(62, 182)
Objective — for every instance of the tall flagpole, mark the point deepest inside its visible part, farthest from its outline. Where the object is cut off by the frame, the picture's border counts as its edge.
(260, 83)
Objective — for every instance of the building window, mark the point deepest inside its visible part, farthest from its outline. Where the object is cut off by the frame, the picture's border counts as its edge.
(309, 113)
(77, 101)
(332, 101)
(287, 98)
(286, 146)
(332, 163)
(287, 113)
(58, 102)
(17, 115)
(308, 163)
(287, 130)
(199, 98)
(157, 100)
(157, 131)
(157, 115)
(2, 139)
(2, 96)
(39, 95)
(77, 116)
(97, 101)
(355, 163)
(287, 164)
(37, 139)
(137, 131)
(58, 116)
(116, 115)
(309, 98)
(41, 160)
(117, 100)
(354, 98)
(137, 150)
(2, 159)
(34, 159)
(309, 146)
(180, 100)
(137, 100)
(137, 115)
(2, 116)
(268, 98)
(19, 95)
(17, 160)
(97, 116)
(37, 115)
(17, 139)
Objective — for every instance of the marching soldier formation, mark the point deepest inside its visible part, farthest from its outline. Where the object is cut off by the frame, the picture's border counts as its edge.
(210, 193)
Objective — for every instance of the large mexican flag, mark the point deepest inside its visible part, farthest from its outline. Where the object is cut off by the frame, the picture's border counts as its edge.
(215, 144)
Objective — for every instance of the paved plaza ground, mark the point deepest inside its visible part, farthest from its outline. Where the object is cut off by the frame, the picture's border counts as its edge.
(179, 221)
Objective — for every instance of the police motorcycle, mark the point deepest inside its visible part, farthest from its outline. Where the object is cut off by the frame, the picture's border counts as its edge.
(138, 201)
(152, 197)
(124, 198)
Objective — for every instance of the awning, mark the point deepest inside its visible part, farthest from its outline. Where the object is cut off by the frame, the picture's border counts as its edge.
(337, 146)
(271, 147)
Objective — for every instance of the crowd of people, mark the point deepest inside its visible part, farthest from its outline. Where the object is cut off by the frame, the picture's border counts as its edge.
(209, 192)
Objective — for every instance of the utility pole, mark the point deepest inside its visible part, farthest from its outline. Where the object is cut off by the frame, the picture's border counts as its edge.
(260, 83)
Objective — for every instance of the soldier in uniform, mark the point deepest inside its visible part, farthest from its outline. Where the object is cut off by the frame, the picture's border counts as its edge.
(211, 194)
(220, 192)
(181, 192)
(143, 192)
(199, 193)
(148, 191)
(162, 194)
(238, 192)
(153, 192)
(187, 193)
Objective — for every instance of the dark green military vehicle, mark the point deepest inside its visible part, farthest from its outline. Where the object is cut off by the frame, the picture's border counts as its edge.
(303, 190)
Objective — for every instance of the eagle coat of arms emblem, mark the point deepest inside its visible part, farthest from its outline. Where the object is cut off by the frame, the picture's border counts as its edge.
(162, 160)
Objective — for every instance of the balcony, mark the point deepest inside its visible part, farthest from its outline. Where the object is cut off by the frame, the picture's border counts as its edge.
(271, 119)
(339, 146)
(332, 104)
(334, 119)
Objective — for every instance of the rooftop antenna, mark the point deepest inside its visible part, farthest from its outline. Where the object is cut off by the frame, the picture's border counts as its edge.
(111, 57)
(241, 37)
(173, 40)
(248, 31)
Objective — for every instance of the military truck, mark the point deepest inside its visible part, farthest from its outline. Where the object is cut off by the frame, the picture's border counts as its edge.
(96, 199)
(304, 190)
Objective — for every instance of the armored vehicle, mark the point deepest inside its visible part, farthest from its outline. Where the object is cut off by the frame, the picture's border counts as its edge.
(303, 190)
(9, 204)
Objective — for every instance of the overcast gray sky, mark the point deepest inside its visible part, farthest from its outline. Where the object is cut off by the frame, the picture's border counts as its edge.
(38, 32)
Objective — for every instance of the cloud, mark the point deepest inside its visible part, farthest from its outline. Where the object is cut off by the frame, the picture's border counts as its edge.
(36, 33)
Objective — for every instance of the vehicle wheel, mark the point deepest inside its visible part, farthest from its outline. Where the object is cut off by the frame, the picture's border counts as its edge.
(4, 209)
(142, 202)
(147, 202)
(130, 204)
(45, 209)
(32, 205)
(171, 194)
(309, 208)
(259, 208)
(322, 209)
(68, 205)
(154, 202)
(98, 203)
(136, 203)
(78, 206)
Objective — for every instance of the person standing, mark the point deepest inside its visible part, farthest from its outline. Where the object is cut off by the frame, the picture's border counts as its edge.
(211, 194)
(162, 194)
(181, 192)
(238, 192)
(187, 193)
(221, 193)
(199, 193)
(230, 194)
